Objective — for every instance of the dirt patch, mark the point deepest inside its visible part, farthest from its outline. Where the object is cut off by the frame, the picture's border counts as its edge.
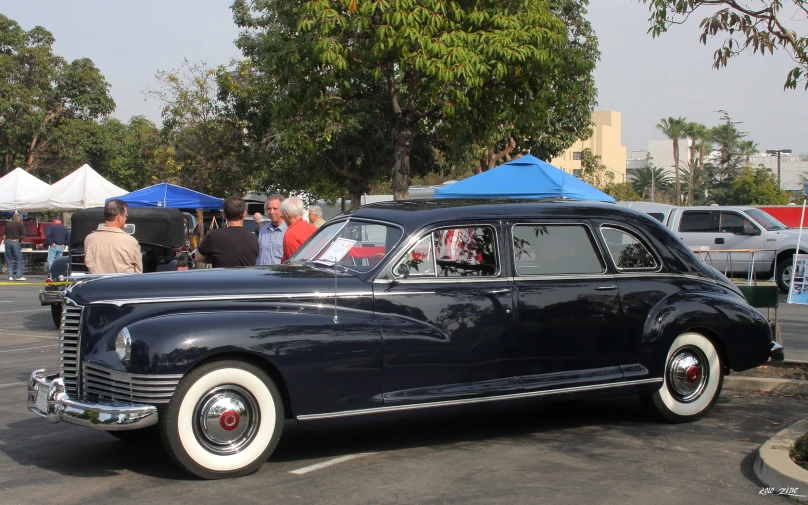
(776, 371)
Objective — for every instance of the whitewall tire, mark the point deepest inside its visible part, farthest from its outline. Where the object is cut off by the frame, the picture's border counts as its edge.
(224, 420)
(693, 377)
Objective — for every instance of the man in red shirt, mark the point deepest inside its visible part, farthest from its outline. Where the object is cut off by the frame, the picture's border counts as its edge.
(298, 230)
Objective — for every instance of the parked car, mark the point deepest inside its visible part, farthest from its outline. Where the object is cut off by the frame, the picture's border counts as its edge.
(714, 229)
(398, 308)
(34, 234)
(160, 233)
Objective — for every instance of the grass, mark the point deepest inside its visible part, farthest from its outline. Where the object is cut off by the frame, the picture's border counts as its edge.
(799, 453)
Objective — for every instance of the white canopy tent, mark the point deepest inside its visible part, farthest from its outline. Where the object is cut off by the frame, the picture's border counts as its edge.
(82, 189)
(21, 191)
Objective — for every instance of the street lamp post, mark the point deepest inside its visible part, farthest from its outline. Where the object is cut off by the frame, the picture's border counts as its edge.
(778, 152)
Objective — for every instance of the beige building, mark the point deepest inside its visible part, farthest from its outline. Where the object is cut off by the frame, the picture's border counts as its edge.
(606, 142)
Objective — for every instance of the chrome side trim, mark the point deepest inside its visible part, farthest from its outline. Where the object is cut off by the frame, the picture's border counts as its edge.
(288, 296)
(471, 401)
(400, 293)
(440, 280)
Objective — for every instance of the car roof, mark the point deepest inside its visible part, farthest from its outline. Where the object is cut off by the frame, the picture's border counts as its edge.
(415, 213)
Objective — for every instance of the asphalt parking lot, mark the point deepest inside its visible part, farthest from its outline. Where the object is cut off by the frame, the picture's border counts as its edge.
(604, 451)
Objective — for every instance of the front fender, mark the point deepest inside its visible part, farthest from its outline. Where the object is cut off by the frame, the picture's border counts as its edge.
(59, 266)
(323, 366)
(741, 331)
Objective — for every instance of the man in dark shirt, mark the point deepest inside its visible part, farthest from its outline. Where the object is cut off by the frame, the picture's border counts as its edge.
(57, 237)
(12, 239)
(232, 246)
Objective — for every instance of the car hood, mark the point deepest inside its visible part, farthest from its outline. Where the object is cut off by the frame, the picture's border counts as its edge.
(217, 283)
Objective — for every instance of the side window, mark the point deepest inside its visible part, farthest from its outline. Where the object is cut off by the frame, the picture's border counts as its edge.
(554, 249)
(734, 223)
(698, 221)
(627, 252)
(453, 252)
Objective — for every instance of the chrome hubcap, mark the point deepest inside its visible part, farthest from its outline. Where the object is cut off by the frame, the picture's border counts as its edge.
(226, 419)
(688, 373)
(787, 276)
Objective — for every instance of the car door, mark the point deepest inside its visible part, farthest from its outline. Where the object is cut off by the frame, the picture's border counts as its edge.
(699, 230)
(567, 306)
(739, 233)
(445, 310)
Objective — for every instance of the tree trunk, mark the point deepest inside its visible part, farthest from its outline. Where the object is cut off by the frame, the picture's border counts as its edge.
(692, 171)
(29, 156)
(402, 144)
(678, 187)
(7, 161)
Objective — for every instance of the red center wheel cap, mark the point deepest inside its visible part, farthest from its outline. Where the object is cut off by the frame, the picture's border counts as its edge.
(229, 420)
(692, 374)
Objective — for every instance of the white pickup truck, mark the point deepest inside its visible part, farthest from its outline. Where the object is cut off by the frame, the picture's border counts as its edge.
(715, 232)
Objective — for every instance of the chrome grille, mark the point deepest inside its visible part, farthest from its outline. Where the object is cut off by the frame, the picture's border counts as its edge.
(102, 384)
(69, 339)
(77, 262)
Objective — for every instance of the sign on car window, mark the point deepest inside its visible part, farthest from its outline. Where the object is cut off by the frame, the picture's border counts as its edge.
(454, 252)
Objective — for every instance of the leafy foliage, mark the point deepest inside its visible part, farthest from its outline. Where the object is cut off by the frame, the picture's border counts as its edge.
(41, 93)
(757, 186)
(759, 27)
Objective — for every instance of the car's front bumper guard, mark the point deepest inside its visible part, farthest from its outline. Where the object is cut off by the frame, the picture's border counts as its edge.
(50, 297)
(777, 353)
(98, 416)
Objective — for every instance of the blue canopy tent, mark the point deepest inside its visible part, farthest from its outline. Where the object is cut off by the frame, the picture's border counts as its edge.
(170, 196)
(525, 177)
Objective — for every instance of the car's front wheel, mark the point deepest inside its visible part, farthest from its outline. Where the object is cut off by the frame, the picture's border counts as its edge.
(784, 272)
(224, 420)
(56, 314)
(692, 381)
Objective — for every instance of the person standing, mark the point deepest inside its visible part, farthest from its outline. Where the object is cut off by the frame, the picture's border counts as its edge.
(57, 237)
(316, 216)
(231, 246)
(109, 249)
(12, 239)
(270, 238)
(298, 230)
(257, 217)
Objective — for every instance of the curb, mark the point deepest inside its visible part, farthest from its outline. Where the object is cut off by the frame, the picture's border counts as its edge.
(790, 386)
(774, 467)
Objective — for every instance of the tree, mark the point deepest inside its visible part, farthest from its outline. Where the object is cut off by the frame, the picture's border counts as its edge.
(621, 191)
(674, 129)
(41, 92)
(593, 171)
(205, 146)
(698, 134)
(759, 27)
(757, 186)
(455, 75)
(749, 148)
(650, 180)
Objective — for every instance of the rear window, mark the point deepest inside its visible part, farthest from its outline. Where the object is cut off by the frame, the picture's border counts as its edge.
(698, 221)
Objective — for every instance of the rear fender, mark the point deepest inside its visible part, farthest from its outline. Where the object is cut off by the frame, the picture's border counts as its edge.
(742, 331)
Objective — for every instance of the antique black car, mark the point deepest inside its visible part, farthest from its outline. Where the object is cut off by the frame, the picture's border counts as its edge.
(398, 307)
(160, 233)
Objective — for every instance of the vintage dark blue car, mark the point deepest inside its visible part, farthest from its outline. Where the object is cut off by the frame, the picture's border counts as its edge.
(398, 307)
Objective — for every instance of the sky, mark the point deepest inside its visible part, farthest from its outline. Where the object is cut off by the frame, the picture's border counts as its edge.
(645, 79)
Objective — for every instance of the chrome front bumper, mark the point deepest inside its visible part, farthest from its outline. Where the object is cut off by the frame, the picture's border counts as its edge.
(51, 297)
(56, 406)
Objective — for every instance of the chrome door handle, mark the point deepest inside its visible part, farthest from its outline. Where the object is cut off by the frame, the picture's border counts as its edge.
(497, 291)
(606, 288)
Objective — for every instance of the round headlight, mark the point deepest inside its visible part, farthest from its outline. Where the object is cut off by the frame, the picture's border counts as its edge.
(123, 345)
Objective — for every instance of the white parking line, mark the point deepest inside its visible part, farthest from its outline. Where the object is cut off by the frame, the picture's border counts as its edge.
(18, 311)
(330, 462)
(27, 335)
(12, 384)
(29, 348)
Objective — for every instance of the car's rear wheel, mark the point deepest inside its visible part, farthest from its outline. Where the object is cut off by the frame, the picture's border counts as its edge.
(692, 380)
(56, 314)
(224, 420)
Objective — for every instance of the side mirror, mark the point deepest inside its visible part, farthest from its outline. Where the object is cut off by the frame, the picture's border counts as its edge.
(751, 230)
(402, 270)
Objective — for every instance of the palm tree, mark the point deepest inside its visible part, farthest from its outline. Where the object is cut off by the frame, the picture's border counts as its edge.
(650, 179)
(749, 148)
(698, 133)
(674, 129)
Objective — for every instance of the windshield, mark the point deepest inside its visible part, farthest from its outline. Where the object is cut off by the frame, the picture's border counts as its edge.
(766, 220)
(369, 243)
